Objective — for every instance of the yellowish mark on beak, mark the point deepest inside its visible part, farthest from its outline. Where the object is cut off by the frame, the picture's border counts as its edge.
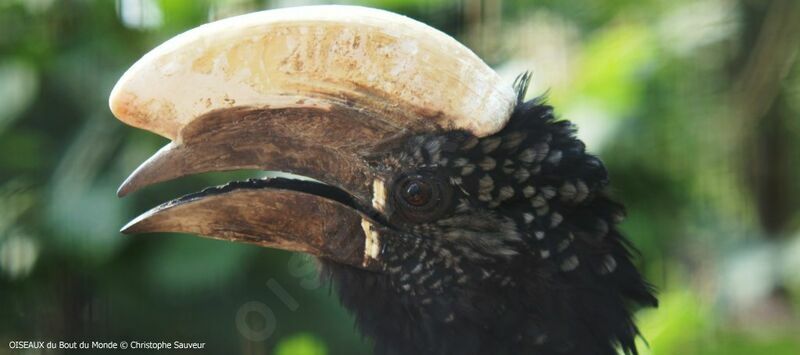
(372, 244)
(379, 195)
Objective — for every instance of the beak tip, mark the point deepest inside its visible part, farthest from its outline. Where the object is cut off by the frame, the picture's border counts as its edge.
(151, 171)
(130, 184)
(129, 228)
(141, 224)
(122, 191)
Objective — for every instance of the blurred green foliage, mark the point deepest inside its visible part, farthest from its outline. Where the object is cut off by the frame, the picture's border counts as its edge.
(301, 344)
(692, 104)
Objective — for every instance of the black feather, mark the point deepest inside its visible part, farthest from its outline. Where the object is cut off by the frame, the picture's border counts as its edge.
(544, 272)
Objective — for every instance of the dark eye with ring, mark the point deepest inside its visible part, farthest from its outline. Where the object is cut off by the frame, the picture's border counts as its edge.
(417, 192)
(421, 198)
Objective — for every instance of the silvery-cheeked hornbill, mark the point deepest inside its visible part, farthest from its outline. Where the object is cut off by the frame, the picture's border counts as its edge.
(451, 216)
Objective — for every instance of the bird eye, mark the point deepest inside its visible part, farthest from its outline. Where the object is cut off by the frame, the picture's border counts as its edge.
(420, 198)
(417, 192)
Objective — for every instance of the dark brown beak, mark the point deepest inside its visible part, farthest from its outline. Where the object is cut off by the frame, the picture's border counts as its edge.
(324, 220)
(280, 213)
(326, 144)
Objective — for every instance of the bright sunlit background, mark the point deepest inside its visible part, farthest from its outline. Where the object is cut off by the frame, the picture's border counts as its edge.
(693, 105)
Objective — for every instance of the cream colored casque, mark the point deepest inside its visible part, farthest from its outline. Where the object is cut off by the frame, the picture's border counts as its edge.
(314, 56)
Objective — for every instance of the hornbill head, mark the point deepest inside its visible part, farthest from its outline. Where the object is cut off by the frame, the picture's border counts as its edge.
(451, 216)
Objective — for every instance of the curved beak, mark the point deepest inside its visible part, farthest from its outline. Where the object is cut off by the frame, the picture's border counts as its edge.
(280, 213)
(330, 144)
(314, 91)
